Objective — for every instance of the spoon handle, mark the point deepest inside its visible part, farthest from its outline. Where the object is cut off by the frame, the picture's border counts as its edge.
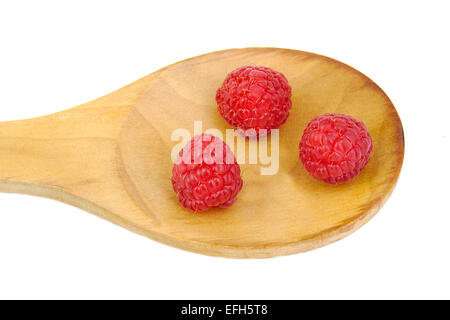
(66, 151)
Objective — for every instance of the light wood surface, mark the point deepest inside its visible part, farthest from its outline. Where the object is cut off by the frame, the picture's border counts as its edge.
(111, 157)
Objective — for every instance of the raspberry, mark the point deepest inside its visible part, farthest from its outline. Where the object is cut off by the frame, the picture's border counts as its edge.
(253, 97)
(206, 174)
(335, 147)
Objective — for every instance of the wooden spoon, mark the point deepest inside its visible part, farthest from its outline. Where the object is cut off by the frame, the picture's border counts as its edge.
(111, 157)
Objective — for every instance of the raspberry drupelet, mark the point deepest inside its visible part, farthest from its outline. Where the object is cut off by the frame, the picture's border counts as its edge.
(206, 174)
(254, 97)
(335, 147)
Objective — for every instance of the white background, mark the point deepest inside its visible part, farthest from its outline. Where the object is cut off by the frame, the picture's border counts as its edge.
(55, 55)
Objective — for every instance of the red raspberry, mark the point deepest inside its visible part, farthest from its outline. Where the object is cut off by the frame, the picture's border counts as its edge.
(335, 147)
(206, 174)
(253, 97)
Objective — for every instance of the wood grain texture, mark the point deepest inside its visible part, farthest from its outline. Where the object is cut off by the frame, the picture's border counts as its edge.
(111, 157)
